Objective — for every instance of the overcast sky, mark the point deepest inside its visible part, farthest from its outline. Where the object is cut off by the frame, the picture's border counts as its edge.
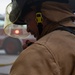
(3, 4)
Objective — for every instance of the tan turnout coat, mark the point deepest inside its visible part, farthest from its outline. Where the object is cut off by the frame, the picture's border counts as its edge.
(53, 54)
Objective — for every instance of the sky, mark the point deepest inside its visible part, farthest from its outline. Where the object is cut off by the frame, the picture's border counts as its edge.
(3, 4)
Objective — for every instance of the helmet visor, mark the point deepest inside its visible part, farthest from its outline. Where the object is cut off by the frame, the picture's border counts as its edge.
(12, 29)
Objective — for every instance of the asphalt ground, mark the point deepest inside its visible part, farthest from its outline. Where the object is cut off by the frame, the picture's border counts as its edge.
(6, 62)
(3, 74)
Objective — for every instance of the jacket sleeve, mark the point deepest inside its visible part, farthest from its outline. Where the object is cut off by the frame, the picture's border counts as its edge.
(35, 60)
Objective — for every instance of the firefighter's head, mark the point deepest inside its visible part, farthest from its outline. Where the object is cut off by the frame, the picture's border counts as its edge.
(29, 12)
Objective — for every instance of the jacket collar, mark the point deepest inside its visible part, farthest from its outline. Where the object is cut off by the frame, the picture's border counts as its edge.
(56, 12)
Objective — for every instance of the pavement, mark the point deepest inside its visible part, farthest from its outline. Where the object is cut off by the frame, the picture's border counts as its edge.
(3, 74)
(6, 62)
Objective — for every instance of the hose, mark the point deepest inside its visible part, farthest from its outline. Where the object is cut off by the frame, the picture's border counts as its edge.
(2, 65)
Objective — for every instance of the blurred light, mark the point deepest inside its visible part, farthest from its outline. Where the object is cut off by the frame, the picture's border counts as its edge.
(17, 31)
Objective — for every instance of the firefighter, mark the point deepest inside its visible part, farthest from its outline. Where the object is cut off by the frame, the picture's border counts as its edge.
(50, 21)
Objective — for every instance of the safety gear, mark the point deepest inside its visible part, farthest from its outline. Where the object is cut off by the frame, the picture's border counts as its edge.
(54, 54)
(10, 27)
(23, 7)
(19, 8)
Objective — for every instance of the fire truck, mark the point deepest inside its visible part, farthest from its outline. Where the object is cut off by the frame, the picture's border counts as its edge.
(10, 44)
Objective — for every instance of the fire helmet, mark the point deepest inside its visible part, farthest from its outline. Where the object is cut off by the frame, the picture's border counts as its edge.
(19, 8)
(22, 7)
